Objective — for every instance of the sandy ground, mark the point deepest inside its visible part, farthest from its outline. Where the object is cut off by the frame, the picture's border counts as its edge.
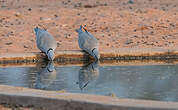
(115, 23)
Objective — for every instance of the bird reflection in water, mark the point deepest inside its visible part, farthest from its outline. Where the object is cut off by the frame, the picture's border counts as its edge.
(87, 74)
(45, 76)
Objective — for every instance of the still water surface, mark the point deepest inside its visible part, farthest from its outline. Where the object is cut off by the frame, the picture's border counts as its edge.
(152, 82)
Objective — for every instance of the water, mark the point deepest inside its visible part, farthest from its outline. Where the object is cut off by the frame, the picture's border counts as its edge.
(152, 82)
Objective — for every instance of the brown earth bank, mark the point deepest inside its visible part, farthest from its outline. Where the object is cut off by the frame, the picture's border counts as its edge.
(115, 23)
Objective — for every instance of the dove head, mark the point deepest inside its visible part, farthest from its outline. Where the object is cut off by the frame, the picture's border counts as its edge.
(36, 31)
(95, 54)
(79, 30)
(50, 54)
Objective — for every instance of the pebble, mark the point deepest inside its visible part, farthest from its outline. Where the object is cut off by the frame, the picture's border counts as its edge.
(25, 46)
(9, 43)
(29, 9)
(17, 14)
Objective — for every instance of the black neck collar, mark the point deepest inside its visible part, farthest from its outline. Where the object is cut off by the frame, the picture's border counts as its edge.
(93, 50)
(49, 50)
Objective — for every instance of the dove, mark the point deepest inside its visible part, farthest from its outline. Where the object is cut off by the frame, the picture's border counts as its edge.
(45, 42)
(88, 42)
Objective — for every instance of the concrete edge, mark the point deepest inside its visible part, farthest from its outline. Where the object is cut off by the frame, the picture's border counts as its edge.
(54, 100)
(77, 55)
(102, 63)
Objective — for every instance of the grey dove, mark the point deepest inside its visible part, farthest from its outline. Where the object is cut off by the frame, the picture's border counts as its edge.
(45, 42)
(88, 42)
